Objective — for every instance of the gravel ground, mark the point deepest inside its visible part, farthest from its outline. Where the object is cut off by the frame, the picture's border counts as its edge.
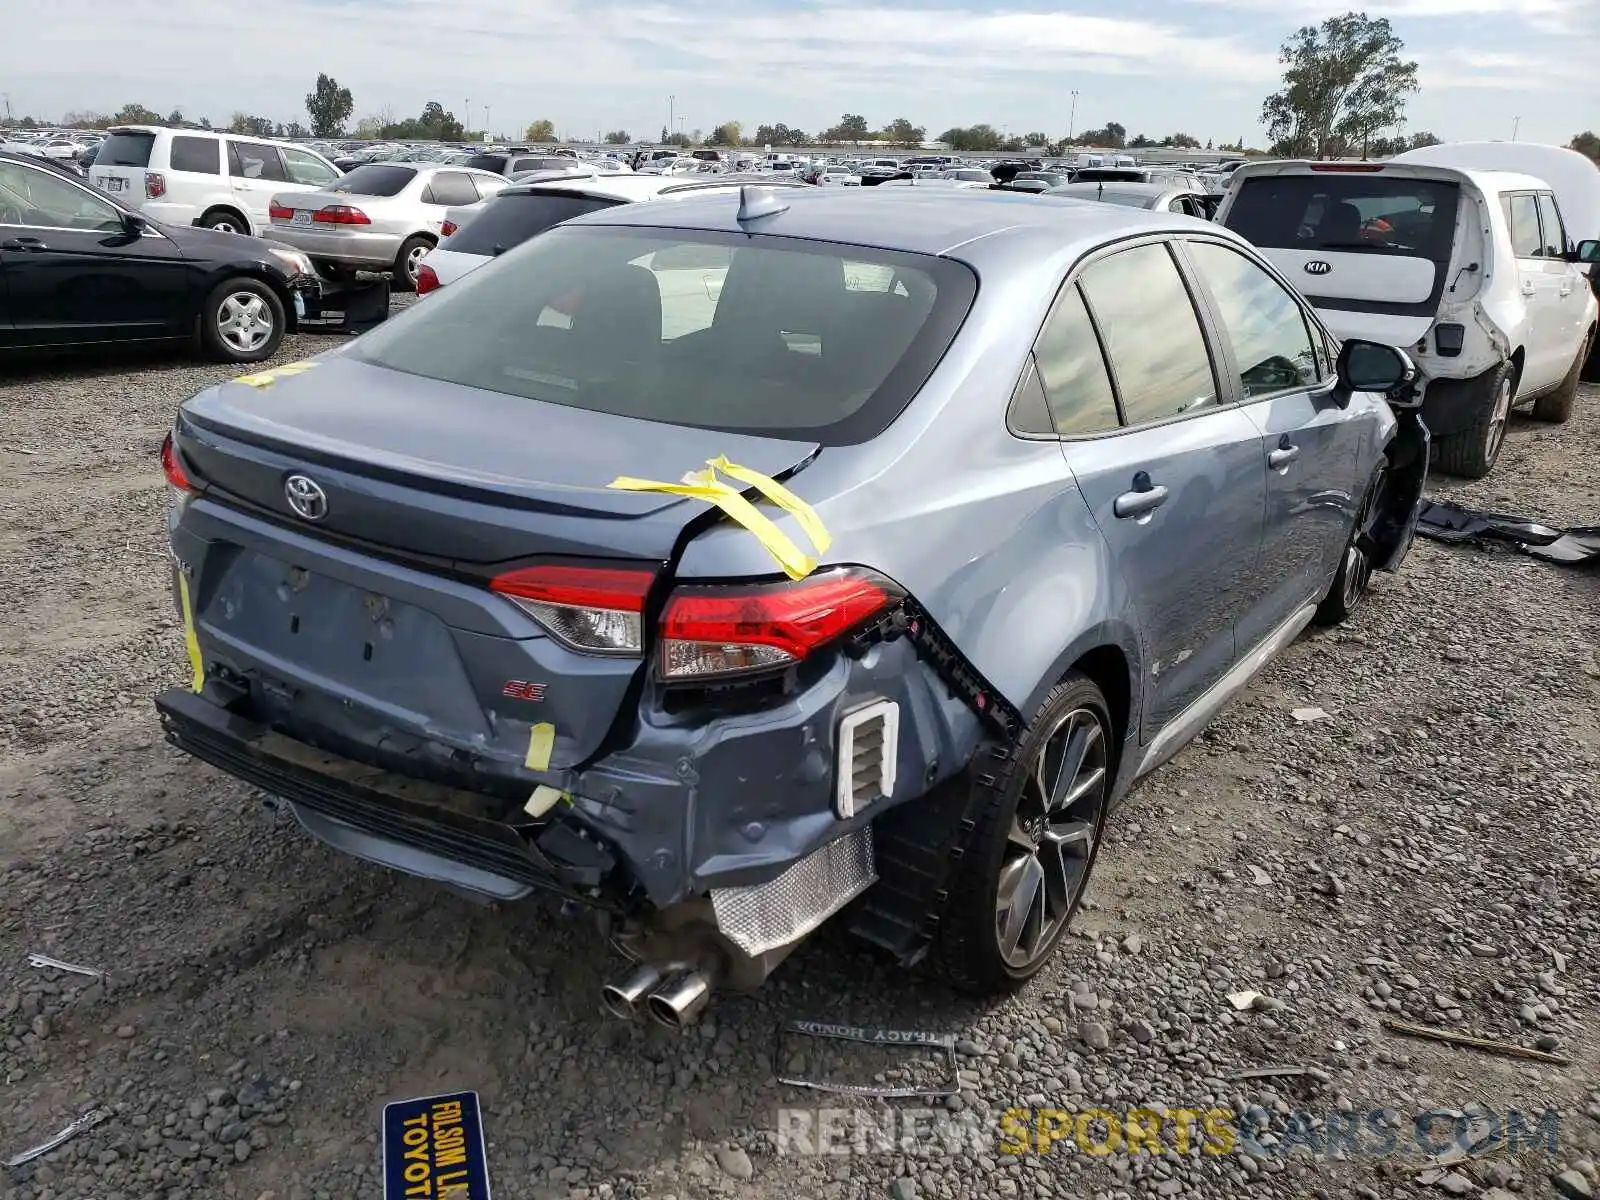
(1426, 850)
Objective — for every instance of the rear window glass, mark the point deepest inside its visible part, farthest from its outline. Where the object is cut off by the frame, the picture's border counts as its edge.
(511, 219)
(749, 334)
(202, 155)
(1354, 212)
(375, 179)
(487, 162)
(125, 150)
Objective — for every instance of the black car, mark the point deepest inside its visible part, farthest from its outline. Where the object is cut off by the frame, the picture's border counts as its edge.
(77, 268)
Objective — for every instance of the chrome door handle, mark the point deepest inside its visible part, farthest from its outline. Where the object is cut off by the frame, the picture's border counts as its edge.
(1527, 289)
(1282, 457)
(23, 243)
(1566, 287)
(1145, 498)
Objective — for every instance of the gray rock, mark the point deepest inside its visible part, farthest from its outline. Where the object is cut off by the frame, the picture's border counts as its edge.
(1094, 1035)
(1142, 1032)
(1572, 1185)
(734, 1161)
(903, 1188)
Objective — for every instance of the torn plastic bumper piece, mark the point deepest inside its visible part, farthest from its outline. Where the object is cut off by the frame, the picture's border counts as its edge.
(433, 830)
(943, 1044)
(1445, 522)
(1399, 502)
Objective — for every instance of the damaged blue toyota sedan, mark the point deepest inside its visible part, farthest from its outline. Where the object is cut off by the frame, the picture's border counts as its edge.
(741, 563)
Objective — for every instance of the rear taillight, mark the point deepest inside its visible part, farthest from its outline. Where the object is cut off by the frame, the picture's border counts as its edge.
(173, 469)
(427, 279)
(595, 610)
(155, 185)
(714, 632)
(1359, 168)
(280, 212)
(448, 228)
(340, 214)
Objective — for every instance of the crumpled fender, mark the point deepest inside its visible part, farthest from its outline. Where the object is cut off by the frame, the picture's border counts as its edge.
(1392, 521)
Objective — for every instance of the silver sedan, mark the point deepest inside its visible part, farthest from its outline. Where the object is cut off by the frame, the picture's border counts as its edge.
(379, 217)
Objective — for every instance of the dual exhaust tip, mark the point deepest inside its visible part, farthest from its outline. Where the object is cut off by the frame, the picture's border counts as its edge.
(671, 996)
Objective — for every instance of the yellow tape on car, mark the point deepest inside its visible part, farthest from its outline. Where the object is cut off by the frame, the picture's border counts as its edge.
(704, 485)
(197, 664)
(541, 744)
(266, 378)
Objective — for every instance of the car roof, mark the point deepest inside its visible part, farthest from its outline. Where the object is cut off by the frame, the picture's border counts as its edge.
(1488, 182)
(631, 186)
(1119, 187)
(912, 220)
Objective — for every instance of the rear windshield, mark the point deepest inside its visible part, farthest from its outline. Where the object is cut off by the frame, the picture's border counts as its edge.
(1351, 212)
(740, 333)
(374, 179)
(513, 217)
(125, 150)
(487, 162)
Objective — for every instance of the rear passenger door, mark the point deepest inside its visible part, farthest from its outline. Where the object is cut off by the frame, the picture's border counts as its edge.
(258, 174)
(1174, 478)
(1310, 444)
(1572, 289)
(447, 189)
(1545, 358)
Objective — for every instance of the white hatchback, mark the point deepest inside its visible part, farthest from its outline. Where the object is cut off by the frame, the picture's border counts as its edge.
(1474, 273)
(220, 181)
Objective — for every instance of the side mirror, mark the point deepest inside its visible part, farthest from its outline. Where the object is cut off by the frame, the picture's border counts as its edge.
(1373, 367)
(135, 224)
(1587, 252)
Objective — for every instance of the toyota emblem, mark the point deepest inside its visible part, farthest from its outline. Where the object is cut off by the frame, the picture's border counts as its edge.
(1318, 266)
(306, 497)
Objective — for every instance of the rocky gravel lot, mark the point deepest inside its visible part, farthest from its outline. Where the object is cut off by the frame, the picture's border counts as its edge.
(1426, 851)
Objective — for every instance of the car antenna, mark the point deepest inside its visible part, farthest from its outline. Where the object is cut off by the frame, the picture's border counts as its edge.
(756, 202)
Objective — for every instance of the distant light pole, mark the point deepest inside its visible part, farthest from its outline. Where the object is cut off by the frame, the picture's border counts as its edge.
(469, 114)
(1072, 121)
(1516, 124)
(486, 120)
(671, 101)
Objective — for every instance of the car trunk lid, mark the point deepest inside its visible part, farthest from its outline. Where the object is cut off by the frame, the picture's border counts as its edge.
(376, 622)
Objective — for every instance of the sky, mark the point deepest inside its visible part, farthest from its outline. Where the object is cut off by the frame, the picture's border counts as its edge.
(1488, 68)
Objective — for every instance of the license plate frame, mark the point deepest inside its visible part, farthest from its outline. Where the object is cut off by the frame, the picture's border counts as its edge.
(113, 183)
(302, 217)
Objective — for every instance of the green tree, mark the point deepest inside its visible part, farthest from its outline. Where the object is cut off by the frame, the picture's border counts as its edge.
(541, 131)
(1588, 143)
(727, 134)
(677, 139)
(973, 138)
(618, 137)
(243, 122)
(369, 128)
(135, 114)
(1181, 141)
(1112, 137)
(901, 132)
(852, 127)
(1418, 140)
(175, 118)
(87, 119)
(1140, 143)
(1343, 81)
(329, 106)
(1036, 139)
(772, 135)
(663, 140)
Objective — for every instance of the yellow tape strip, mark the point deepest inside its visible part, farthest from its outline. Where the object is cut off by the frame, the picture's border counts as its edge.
(543, 800)
(266, 378)
(197, 664)
(704, 485)
(541, 742)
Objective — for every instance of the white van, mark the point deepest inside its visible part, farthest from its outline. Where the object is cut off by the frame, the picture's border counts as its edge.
(1474, 273)
(222, 181)
(1574, 177)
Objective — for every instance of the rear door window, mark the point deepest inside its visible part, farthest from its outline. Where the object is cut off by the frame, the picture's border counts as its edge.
(452, 189)
(1553, 229)
(1522, 215)
(203, 156)
(1072, 370)
(256, 160)
(1152, 334)
(1356, 212)
(511, 218)
(125, 150)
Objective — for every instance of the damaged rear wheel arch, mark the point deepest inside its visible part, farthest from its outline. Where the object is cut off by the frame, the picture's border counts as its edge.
(1109, 669)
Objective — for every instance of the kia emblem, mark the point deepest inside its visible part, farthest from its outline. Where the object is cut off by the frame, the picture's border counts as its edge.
(1318, 266)
(306, 497)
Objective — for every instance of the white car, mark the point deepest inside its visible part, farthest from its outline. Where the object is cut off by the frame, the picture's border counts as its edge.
(522, 211)
(1474, 273)
(219, 181)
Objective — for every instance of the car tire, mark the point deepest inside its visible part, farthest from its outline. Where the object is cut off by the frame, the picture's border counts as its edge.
(1556, 406)
(407, 261)
(241, 321)
(225, 221)
(1473, 451)
(1023, 873)
(1354, 576)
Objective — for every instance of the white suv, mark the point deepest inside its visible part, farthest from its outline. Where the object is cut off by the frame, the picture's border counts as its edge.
(222, 181)
(1473, 273)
